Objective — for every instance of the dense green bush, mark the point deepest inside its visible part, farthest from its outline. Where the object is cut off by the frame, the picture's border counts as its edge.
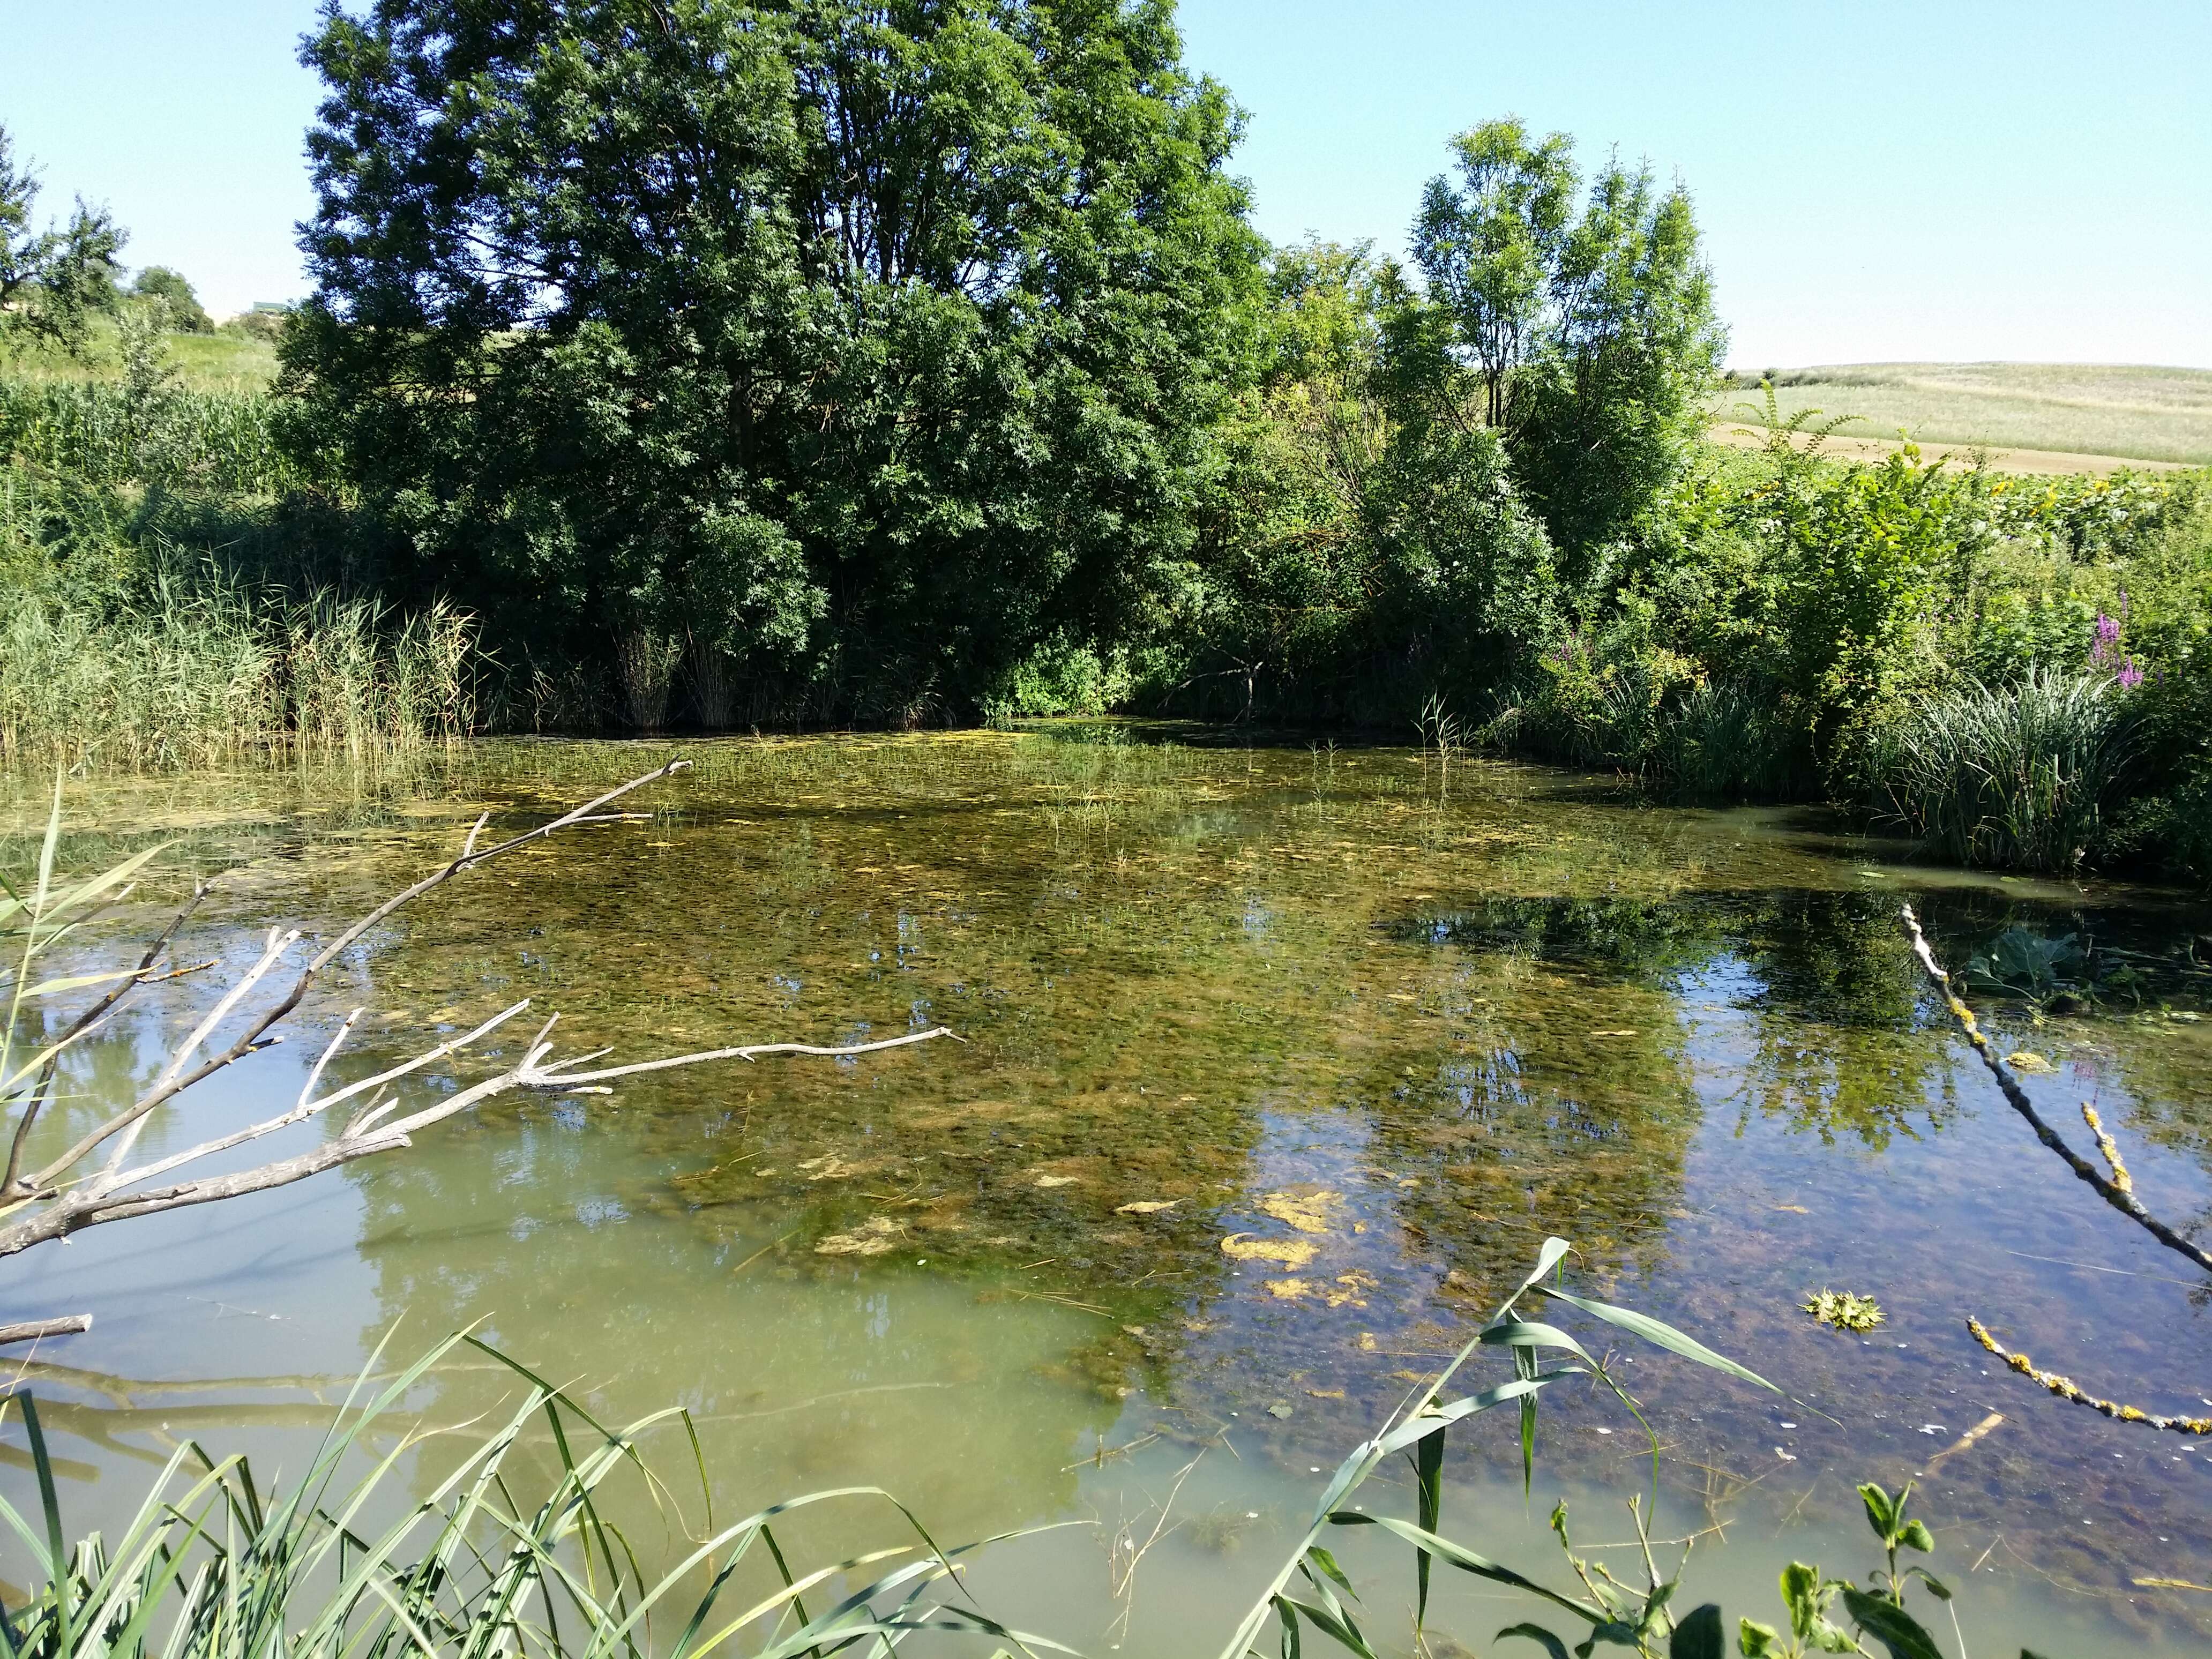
(869, 347)
(2012, 669)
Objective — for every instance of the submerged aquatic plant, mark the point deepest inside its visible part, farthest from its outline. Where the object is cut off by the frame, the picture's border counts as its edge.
(56, 1187)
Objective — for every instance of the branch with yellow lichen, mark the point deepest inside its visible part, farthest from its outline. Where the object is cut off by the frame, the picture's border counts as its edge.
(2118, 1192)
(2066, 1389)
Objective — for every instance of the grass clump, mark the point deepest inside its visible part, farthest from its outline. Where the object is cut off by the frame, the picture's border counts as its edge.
(213, 1567)
(2021, 777)
(204, 676)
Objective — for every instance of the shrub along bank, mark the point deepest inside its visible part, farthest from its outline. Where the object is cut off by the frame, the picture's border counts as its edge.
(2012, 670)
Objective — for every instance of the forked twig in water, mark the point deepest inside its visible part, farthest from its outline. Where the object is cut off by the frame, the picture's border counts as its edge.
(2120, 1197)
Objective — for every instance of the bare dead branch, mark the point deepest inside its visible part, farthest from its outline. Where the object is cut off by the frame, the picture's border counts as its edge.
(2120, 1197)
(173, 1085)
(118, 1193)
(365, 1138)
(552, 1078)
(84, 1023)
(2066, 1389)
(307, 1107)
(30, 1330)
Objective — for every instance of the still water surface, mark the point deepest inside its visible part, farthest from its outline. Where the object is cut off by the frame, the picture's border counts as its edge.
(1378, 1030)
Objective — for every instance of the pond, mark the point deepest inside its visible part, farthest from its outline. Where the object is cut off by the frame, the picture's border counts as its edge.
(1277, 1065)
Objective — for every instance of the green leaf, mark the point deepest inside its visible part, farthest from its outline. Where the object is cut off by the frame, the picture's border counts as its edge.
(1800, 1594)
(1554, 1252)
(1881, 1511)
(1915, 1536)
(1700, 1636)
(1322, 1559)
(1428, 1477)
(1523, 1333)
(1660, 1334)
(1538, 1634)
(1467, 1561)
(1342, 1629)
(1936, 1586)
(47, 987)
(1889, 1624)
(1756, 1641)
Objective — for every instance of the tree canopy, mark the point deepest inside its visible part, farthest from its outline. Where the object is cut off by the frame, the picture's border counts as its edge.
(184, 311)
(1593, 332)
(868, 345)
(51, 280)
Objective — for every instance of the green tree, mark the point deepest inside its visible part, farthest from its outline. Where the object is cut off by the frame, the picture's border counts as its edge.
(1592, 333)
(1489, 245)
(867, 345)
(1371, 547)
(1614, 398)
(186, 313)
(52, 280)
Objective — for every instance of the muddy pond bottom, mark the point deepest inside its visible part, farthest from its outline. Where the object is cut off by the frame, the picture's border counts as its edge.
(1278, 1066)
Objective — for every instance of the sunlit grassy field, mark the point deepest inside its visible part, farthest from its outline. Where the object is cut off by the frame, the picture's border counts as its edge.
(2146, 414)
(221, 362)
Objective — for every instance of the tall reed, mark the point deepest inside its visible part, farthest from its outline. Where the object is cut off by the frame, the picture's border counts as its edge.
(215, 1566)
(2015, 776)
(204, 676)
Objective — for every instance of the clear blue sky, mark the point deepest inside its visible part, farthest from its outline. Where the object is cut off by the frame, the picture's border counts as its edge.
(1876, 180)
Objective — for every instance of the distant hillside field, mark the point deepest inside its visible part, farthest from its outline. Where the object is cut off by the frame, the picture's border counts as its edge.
(221, 362)
(2108, 412)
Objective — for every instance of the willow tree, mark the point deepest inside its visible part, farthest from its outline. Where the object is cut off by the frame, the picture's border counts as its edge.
(1587, 314)
(863, 343)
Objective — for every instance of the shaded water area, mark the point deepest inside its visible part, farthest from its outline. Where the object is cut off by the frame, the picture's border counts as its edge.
(1279, 1064)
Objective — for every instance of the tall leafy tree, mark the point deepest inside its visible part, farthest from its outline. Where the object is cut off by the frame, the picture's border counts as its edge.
(866, 343)
(1372, 548)
(181, 305)
(51, 280)
(1490, 243)
(1613, 397)
(1588, 317)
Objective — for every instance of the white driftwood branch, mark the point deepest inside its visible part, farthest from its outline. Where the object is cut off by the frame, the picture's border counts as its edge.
(170, 1084)
(61, 1198)
(30, 1330)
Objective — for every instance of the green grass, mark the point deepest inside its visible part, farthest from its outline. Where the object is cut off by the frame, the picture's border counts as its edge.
(203, 677)
(220, 361)
(2138, 413)
(2017, 777)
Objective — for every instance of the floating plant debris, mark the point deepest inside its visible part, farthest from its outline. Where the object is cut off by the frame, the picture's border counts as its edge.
(1846, 1311)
